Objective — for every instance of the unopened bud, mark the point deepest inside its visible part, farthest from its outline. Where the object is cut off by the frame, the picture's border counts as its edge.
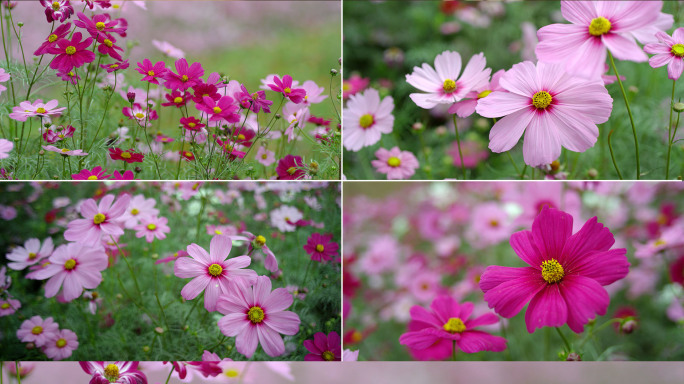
(159, 330)
(146, 348)
(678, 107)
(592, 173)
(333, 72)
(573, 357)
(20, 24)
(417, 126)
(137, 169)
(130, 96)
(41, 152)
(629, 326)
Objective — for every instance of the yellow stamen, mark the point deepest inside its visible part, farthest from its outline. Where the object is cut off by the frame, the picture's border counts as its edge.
(217, 110)
(52, 38)
(32, 256)
(256, 315)
(366, 121)
(393, 162)
(151, 227)
(70, 50)
(541, 100)
(320, 248)
(125, 155)
(37, 330)
(92, 177)
(99, 218)
(111, 372)
(41, 110)
(454, 325)
(599, 26)
(215, 270)
(70, 264)
(61, 343)
(178, 100)
(100, 26)
(449, 86)
(291, 170)
(483, 94)
(328, 356)
(678, 50)
(552, 271)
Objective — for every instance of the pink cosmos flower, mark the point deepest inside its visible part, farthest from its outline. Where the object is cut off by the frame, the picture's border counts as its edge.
(6, 147)
(186, 77)
(69, 76)
(366, 118)
(9, 306)
(96, 173)
(287, 88)
(38, 108)
(101, 25)
(31, 253)
(65, 151)
(61, 345)
(255, 101)
(395, 163)
(108, 48)
(106, 372)
(258, 243)
(176, 99)
(263, 156)
(141, 115)
(285, 217)
(152, 227)
(349, 355)
(51, 41)
(596, 27)
(152, 73)
(213, 272)
(58, 134)
(563, 283)
(473, 153)
(168, 49)
(222, 110)
(314, 93)
(129, 156)
(321, 247)
(324, 348)
(466, 107)
(668, 51)
(4, 76)
(127, 175)
(115, 66)
(436, 331)
(443, 85)
(555, 109)
(57, 10)
(139, 208)
(670, 238)
(490, 225)
(72, 267)
(191, 123)
(98, 220)
(291, 168)
(37, 331)
(257, 316)
(72, 53)
(354, 85)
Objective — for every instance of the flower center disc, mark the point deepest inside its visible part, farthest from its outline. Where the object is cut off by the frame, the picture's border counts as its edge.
(126, 155)
(32, 256)
(70, 50)
(260, 241)
(61, 343)
(541, 100)
(70, 264)
(215, 270)
(151, 227)
(111, 372)
(41, 110)
(599, 26)
(256, 315)
(232, 372)
(4, 306)
(178, 100)
(449, 86)
(366, 121)
(52, 38)
(37, 330)
(100, 26)
(552, 271)
(328, 356)
(454, 325)
(320, 248)
(393, 162)
(241, 137)
(291, 170)
(99, 218)
(678, 50)
(217, 110)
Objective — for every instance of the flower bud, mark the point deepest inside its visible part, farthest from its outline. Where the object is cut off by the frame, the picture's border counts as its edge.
(130, 96)
(573, 357)
(333, 72)
(137, 169)
(629, 326)
(678, 107)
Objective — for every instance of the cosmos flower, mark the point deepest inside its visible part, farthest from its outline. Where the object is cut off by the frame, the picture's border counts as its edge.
(57, 10)
(31, 253)
(152, 227)
(96, 173)
(324, 347)
(265, 157)
(129, 156)
(61, 345)
(9, 306)
(321, 247)
(286, 87)
(285, 217)
(668, 51)
(466, 107)
(397, 164)
(38, 108)
(187, 76)
(291, 168)
(65, 151)
(37, 331)
(51, 41)
(366, 118)
(152, 73)
(98, 220)
(106, 372)
(72, 53)
(6, 147)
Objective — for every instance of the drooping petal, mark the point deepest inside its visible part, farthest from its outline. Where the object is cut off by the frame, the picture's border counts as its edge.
(623, 48)
(584, 298)
(509, 297)
(476, 341)
(506, 133)
(547, 308)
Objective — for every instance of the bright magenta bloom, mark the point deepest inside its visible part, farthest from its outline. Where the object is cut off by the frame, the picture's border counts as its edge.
(553, 108)
(598, 26)
(98, 220)
(129, 156)
(324, 348)
(108, 48)
(191, 123)
(106, 372)
(563, 283)
(57, 10)
(213, 272)
(321, 247)
(187, 76)
(51, 41)
(395, 163)
(96, 173)
(72, 53)
(37, 331)
(436, 330)
(151, 72)
(101, 25)
(668, 51)
(291, 168)
(224, 109)
(296, 95)
(257, 316)
(72, 267)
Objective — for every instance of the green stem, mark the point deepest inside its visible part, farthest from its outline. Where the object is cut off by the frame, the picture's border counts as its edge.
(612, 156)
(306, 273)
(565, 341)
(187, 317)
(123, 256)
(18, 368)
(453, 352)
(169, 376)
(629, 112)
(670, 138)
(458, 143)
(517, 170)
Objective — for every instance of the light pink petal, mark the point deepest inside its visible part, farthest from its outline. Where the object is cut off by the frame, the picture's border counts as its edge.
(199, 253)
(424, 78)
(105, 204)
(238, 262)
(232, 324)
(52, 286)
(521, 79)
(219, 248)
(262, 289)
(278, 300)
(585, 100)
(89, 209)
(89, 279)
(119, 207)
(632, 15)
(605, 267)
(247, 341)
(72, 288)
(578, 12)
(674, 69)
(660, 60)
(476, 341)
(498, 104)
(270, 341)
(474, 74)
(195, 287)
(584, 298)
(576, 134)
(109, 228)
(506, 133)
(510, 295)
(211, 293)
(228, 304)
(285, 322)
(623, 48)
(271, 263)
(655, 48)
(448, 65)
(588, 60)
(524, 245)
(541, 145)
(424, 100)
(463, 108)
(547, 309)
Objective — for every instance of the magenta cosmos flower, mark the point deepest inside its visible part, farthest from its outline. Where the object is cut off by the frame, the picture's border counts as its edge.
(552, 107)
(395, 163)
(72, 267)
(668, 51)
(321, 247)
(448, 323)
(57, 10)
(324, 348)
(366, 118)
(187, 76)
(291, 168)
(98, 220)
(151, 227)
(51, 41)
(286, 87)
(106, 372)
(213, 272)
(258, 243)
(72, 53)
(563, 283)
(96, 173)
(37, 331)
(258, 316)
(61, 345)
(598, 26)
(443, 85)
(151, 72)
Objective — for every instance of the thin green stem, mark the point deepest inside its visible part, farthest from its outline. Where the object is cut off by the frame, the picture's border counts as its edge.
(453, 352)
(306, 273)
(517, 170)
(187, 317)
(670, 138)
(629, 112)
(169, 376)
(458, 143)
(123, 256)
(612, 155)
(565, 341)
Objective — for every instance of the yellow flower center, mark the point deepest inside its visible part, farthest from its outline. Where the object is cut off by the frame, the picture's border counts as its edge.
(320, 248)
(100, 26)
(71, 74)
(599, 26)
(454, 325)
(192, 125)
(151, 227)
(393, 162)
(678, 50)
(61, 343)
(552, 271)
(366, 121)
(217, 110)
(287, 90)
(139, 115)
(70, 50)
(264, 156)
(328, 356)
(65, 150)
(111, 372)
(483, 94)
(70, 264)
(134, 211)
(37, 330)
(108, 43)
(150, 73)
(232, 372)
(215, 270)
(188, 154)
(126, 155)
(114, 66)
(4, 306)
(41, 110)
(255, 315)
(241, 137)
(52, 38)
(541, 100)
(291, 170)
(494, 223)
(449, 86)
(184, 78)
(659, 242)
(55, 5)
(99, 218)
(260, 241)
(218, 232)
(92, 177)
(32, 256)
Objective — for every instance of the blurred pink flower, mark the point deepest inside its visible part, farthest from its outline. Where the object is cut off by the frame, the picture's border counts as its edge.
(668, 51)
(395, 163)
(31, 253)
(8, 306)
(354, 85)
(152, 227)
(37, 331)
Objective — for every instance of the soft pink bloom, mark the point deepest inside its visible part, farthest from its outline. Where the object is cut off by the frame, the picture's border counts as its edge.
(168, 49)
(6, 147)
(395, 163)
(263, 156)
(473, 153)
(442, 85)
(31, 253)
(9, 306)
(366, 118)
(139, 207)
(255, 315)
(152, 227)
(106, 372)
(424, 284)
(321, 247)
(55, 134)
(222, 110)
(61, 345)
(38, 108)
(466, 107)
(141, 115)
(563, 283)
(598, 26)
(448, 323)
(553, 109)
(285, 217)
(72, 267)
(213, 272)
(258, 243)
(314, 93)
(98, 220)
(670, 238)
(324, 348)
(668, 51)
(65, 151)
(354, 85)
(382, 255)
(96, 173)
(490, 225)
(4, 76)
(37, 331)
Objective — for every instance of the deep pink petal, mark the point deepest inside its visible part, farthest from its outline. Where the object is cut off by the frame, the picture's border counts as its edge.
(509, 297)
(593, 236)
(547, 308)
(551, 229)
(476, 341)
(418, 340)
(524, 245)
(605, 267)
(486, 319)
(584, 298)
